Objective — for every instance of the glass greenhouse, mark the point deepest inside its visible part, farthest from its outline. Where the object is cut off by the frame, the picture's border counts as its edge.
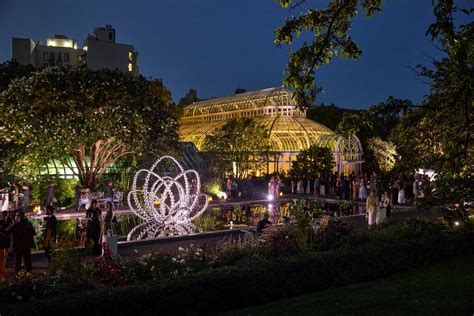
(275, 109)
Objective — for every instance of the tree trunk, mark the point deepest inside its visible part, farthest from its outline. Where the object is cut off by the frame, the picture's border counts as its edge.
(93, 161)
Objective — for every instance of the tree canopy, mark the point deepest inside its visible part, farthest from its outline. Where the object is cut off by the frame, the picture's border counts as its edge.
(82, 118)
(240, 141)
(316, 161)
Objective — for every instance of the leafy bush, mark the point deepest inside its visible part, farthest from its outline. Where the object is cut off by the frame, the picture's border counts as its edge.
(257, 280)
(205, 223)
(65, 191)
(67, 229)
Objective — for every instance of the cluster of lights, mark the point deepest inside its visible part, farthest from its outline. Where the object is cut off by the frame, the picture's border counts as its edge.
(166, 204)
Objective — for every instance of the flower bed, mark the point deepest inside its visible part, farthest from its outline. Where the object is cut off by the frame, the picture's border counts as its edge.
(253, 275)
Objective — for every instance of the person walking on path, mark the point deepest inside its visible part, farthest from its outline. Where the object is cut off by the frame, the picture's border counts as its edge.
(371, 209)
(4, 242)
(23, 234)
(50, 232)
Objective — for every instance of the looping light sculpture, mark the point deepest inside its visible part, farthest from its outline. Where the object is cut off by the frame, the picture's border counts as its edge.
(166, 203)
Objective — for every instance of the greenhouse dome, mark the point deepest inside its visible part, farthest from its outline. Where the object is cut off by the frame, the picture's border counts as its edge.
(276, 110)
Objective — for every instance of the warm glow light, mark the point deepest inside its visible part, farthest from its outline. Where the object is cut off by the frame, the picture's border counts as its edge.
(281, 193)
(130, 67)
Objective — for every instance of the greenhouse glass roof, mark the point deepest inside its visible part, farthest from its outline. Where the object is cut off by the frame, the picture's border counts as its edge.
(274, 108)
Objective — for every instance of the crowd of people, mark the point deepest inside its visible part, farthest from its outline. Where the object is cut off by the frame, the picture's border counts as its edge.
(17, 234)
(358, 186)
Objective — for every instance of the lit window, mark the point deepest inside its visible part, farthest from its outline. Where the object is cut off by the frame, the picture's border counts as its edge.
(130, 67)
(130, 56)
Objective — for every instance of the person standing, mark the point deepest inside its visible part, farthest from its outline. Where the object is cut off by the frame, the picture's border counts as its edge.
(371, 209)
(387, 204)
(107, 224)
(25, 202)
(299, 186)
(93, 233)
(317, 185)
(23, 234)
(51, 199)
(362, 190)
(415, 189)
(4, 242)
(109, 192)
(50, 232)
(5, 200)
(401, 193)
(229, 188)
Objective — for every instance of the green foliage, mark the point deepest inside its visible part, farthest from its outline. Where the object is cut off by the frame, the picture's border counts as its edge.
(240, 141)
(13, 70)
(328, 115)
(385, 153)
(82, 117)
(67, 229)
(68, 262)
(313, 162)
(262, 278)
(65, 191)
(205, 223)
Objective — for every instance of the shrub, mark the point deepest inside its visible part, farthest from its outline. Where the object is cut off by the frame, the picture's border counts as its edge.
(256, 281)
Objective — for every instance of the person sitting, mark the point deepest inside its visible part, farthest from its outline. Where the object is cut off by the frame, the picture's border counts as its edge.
(263, 223)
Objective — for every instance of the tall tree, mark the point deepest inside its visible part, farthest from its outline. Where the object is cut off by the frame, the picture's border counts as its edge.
(316, 161)
(240, 141)
(82, 118)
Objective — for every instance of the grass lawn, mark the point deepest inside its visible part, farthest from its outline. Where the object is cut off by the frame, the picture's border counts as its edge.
(440, 289)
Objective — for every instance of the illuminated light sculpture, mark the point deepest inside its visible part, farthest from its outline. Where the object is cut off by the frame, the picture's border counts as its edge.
(166, 203)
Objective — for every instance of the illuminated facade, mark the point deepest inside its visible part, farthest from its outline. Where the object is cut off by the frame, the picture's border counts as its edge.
(100, 51)
(276, 110)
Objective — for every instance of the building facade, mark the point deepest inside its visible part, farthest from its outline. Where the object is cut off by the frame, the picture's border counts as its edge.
(100, 51)
(290, 131)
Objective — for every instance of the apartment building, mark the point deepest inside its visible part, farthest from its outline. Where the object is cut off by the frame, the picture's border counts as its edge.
(100, 51)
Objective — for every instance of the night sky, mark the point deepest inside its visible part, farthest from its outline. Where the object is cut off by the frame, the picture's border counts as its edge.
(216, 46)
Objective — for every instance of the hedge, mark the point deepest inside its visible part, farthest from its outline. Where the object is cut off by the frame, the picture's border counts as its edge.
(229, 288)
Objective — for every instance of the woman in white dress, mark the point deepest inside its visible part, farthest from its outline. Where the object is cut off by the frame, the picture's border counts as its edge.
(401, 193)
(371, 207)
(362, 190)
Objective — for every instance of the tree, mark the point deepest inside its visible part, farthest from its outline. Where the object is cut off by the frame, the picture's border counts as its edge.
(316, 161)
(189, 98)
(374, 127)
(240, 141)
(328, 115)
(10, 70)
(82, 118)
(441, 129)
(329, 33)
